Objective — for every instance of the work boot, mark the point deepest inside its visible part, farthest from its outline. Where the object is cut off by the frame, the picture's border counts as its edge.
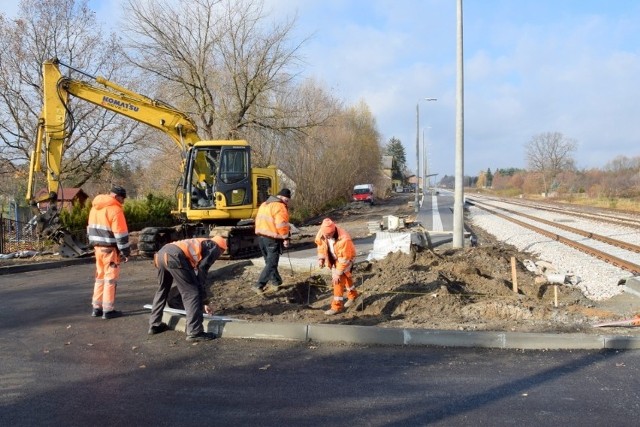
(111, 314)
(158, 329)
(97, 312)
(331, 312)
(201, 336)
(351, 302)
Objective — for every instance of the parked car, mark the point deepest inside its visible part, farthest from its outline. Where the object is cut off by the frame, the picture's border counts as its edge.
(363, 193)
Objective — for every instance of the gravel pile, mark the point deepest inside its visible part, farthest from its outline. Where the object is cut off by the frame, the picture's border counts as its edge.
(599, 279)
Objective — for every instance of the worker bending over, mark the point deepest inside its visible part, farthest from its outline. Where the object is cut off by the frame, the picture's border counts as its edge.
(187, 262)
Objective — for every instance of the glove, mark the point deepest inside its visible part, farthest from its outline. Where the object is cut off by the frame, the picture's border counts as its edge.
(335, 276)
(321, 263)
(207, 309)
(286, 243)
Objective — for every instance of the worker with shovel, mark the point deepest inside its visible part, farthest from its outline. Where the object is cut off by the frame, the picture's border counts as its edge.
(337, 251)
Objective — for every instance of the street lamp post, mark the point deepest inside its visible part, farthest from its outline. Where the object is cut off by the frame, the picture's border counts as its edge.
(416, 201)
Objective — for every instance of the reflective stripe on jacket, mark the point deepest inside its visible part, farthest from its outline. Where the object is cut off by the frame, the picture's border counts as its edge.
(192, 249)
(272, 219)
(107, 225)
(344, 250)
(199, 254)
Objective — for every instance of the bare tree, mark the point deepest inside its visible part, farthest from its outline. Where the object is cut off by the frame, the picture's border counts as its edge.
(333, 158)
(549, 154)
(64, 29)
(226, 66)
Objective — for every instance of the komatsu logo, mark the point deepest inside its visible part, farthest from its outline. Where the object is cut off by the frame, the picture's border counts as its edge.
(119, 104)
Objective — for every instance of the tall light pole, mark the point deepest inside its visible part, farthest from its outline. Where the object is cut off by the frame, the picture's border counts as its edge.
(425, 162)
(458, 199)
(424, 166)
(416, 203)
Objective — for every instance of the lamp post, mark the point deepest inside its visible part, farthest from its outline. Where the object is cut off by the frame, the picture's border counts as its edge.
(416, 203)
(426, 177)
(458, 199)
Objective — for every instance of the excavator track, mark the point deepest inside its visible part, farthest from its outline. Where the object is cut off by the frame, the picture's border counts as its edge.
(242, 242)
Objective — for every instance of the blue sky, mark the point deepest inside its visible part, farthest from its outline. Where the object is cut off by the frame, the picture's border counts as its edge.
(530, 66)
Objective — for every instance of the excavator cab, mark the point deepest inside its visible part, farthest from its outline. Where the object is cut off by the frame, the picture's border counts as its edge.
(218, 174)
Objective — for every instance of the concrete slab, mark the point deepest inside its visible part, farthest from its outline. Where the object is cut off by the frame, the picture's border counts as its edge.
(355, 334)
(549, 341)
(622, 342)
(454, 338)
(270, 331)
(632, 286)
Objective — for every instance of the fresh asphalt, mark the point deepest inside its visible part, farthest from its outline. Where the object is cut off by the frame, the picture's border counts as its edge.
(59, 366)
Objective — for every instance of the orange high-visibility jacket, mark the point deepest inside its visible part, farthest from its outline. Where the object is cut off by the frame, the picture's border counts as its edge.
(345, 250)
(272, 219)
(107, 225)
(193, 249)
(200, 252)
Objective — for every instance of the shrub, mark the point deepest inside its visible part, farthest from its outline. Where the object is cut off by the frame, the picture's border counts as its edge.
(153, 210)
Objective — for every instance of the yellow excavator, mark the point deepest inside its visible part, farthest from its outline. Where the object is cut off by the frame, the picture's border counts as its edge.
(219, 192)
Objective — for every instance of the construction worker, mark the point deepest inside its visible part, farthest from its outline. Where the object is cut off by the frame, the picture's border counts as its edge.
(337, 251)
(187, 262)
(272, 227)
(109, 236)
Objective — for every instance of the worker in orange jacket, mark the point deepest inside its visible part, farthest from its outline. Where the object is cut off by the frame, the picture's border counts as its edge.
(337, 251)
(272, 227)
(109, 236)
(186, 262)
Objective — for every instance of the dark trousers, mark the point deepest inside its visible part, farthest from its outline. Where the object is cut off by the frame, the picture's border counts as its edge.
(173, 266)
(270, 249)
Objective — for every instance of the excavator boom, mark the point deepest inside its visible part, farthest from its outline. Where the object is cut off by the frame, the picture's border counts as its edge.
(218, 185)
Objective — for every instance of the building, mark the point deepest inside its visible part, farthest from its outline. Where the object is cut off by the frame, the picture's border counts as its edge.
(66, 196)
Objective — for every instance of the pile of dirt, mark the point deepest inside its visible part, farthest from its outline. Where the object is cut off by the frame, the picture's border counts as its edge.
(452, 289)
(464, 289)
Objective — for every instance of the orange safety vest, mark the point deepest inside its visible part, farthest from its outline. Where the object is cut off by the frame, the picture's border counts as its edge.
(192, 249)
(272, 219)
(345, 250)
(107, 225)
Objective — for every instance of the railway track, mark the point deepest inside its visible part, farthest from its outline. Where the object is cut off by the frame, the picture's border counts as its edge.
(623, 219)
(619, 253)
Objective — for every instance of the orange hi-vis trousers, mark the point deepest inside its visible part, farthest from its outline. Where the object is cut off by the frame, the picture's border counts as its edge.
(107, 273)
(344, 283)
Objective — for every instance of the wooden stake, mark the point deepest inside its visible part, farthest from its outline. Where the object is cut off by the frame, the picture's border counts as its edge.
(555, 295)
(514, 276)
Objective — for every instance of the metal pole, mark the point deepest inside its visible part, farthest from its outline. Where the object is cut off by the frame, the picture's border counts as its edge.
(458, 200)
(424, 168)
(416, 206)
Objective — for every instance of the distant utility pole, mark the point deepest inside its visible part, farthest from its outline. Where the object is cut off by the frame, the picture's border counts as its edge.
(458, 199)
(416, 202)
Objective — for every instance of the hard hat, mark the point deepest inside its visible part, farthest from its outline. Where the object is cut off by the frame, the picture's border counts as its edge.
(221, 242)
(328, 227)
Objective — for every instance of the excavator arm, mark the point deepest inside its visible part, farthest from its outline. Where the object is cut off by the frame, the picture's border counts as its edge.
(218, 188)
(55, 125)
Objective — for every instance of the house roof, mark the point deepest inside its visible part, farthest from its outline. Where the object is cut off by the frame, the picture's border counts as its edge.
(69, 193)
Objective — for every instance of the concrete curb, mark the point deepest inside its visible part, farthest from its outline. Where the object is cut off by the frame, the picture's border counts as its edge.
(371, 335)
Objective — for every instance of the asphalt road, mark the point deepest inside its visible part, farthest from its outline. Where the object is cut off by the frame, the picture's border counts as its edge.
(59, 366)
